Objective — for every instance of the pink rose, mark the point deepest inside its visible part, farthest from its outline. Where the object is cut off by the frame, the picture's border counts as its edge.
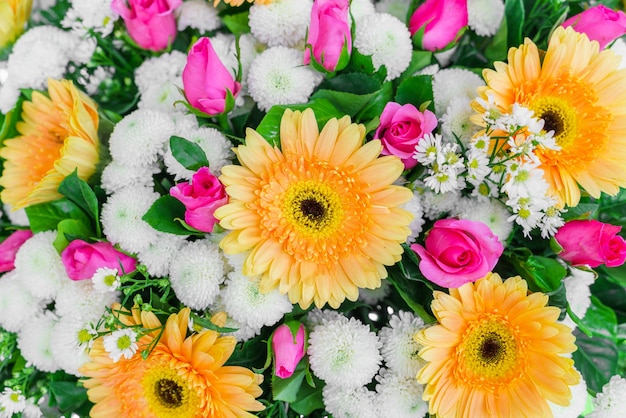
(201, 197)
(9, 247)
(329, 34)
(599, 23)
(151, 23)
(81, 259)
(206, 80)
(458, 251)
(443, 22)
(400, 129)
(288, 350)
(592, 243)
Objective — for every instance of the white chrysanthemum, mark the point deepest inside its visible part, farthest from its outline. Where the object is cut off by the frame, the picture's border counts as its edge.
(214, 144)
(158, 80)
(485, 16)
(39, 266)
(451, 83)
(243, 332)
(373, 296)
(196, 272)
(488, 211)
(246, 304)
(578, 293)
(121, 218)
(11, 402)
(399, 349)
(40, 53)
(344, 353)
(197, 14)
(610, 402)
(121, 343)
(17, 305)
(158, 255)
(34, 342)
(116, 176)
(67, 349)
(17, 217)
(281, 22)
(397, 8)
(577, 404)
(399, 396)
(141, 137)
(349, 402)
(85, 15)
(277, 76)
(387, 40)
(31, 410)
(444, 58)
(415, 207)
(79, 299)
(455, 122)
(437, 204)
(362, 8)
(318, 316)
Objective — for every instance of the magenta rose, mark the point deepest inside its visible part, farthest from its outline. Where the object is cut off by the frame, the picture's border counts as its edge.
(591, 243)
(443, 22)
(288, 350)
(458, 251)
(10, 246)
(329, 34)
(400, 129)
(206, 80)
(81, 259)
(150, 23)
(201, 197)
(599, 23)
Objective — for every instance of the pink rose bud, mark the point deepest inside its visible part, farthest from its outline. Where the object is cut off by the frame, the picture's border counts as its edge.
(150, 23)
(10, 246)
(591, 243)
(458, 251)
(442, 22)
(201, 197)
(81, 259)
(401, 128)
(206, 80)
(288, 350)
(599, 23)
(329, 34)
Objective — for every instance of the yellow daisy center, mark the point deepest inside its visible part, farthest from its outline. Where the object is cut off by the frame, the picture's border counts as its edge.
(109, 280)
(84, 336)
(313, 208)
(559, 116)
(169, 395)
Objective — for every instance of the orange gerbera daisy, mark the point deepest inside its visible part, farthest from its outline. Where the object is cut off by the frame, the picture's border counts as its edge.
(320, 216)
(496, 352)
(181, 377)
(580, 93)
(58, 135)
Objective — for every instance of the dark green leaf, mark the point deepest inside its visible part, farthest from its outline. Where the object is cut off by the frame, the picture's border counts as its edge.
(514, 15)
(581, 211)
(188, 153)
(611, 294)
(347, 103)
(596, 359)
(287, 389)
(237, 23)
(163, 215)
(375, 106)
(69, 229)
(542, 273)
(46, 216)
(68, 395)
(309, 399)
(356, 83)
(79, 192)
(416, 90)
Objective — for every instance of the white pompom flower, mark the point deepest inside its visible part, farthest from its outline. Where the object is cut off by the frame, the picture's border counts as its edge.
(578, 293)
(415, 207)
(85, 15)
(399, 396)
(491, 212)
(485, 16)
(157, 256)
(17, 305)
(349, 402)
(197, 14)
(67, 349)
(387, 40)
(79, 299)
(451, 83)
(361, 8)
(399, 348)
(610, 402)
(281, 22)
(344, 353)
(34, 342)
(158, 80)
(116, 176)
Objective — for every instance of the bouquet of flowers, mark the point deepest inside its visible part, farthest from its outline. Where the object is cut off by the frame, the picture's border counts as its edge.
(312, 208)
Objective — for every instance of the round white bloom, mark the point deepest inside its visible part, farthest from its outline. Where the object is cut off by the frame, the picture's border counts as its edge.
(34, 342)
(578, 293)
(281, 22)
(158, 80)
(397, 8)
(344, 353)
(196, 272)
(277, 76)
(400, 350)
(399, 396)
(121, 218)
(374, 296)
(17, 217)
(361, 8)
(318, 316)
(121, 343)
(244, 332)
(415, 207)
(485, 16)
(387, 40)
(488, 211)
(158, 255)
(577, 404)
(456, 123)
(67, 349)
(79, 299)
(349, 402)
(116, 176)
(39, 266)
(11, 402)
(90, 14)
(246, 304)
(437, 204)
(610, 402)
(31, 410)
(17, 305)
(197, 14)
(454, 82)
(141, 137)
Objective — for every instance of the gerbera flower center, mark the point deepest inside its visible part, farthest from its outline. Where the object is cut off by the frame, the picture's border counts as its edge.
(169, 392)
(168, 395)
(559, 116)
(313, 208)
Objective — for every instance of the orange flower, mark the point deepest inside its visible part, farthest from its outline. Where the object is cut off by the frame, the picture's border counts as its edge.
(58, 135)
(181, 377)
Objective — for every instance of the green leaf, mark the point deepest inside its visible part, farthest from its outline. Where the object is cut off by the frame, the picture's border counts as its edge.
(68, 395)
(163, 215)
(375, 106)
(615, 275)
(596, 359)
(347, 103)
(416, 90)
(237, 23)
(542, 273)
(79, 192)
(309, 398)
(69, 229)
(46, 216)
(188, 153)
(514, 15)
(287, 389)
(356, 83)
(581, 211)
(419, 60)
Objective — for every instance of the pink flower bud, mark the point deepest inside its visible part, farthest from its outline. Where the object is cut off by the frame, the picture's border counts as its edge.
(443, 22)
(288, 350)
(599, 23)
(81, 259)
(10, 246)
(591, 243)
(329, 34)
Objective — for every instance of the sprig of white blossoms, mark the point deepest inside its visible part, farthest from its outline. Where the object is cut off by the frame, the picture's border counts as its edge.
(121, 343)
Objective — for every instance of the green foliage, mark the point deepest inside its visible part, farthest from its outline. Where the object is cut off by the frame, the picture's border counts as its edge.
(167, 214)
(188, 154)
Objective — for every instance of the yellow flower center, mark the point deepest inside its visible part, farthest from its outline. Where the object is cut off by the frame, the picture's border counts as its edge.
(109, 280)
(168, 395)
(313, 208)
(124, 342)
(559, 116)
(84, 336)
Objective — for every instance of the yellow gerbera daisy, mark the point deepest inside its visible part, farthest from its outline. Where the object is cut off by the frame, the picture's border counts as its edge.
(13, 17)
(496, 352)
(319, 216)
(580, 93)
(181, 377)
(58, 135)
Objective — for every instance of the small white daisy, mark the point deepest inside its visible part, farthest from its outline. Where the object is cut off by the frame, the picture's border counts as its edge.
(106, 280)
(197, 14)
(34, 342)
(157, 257)
(527, 212)
(551, 221)
(610, 402)
(277, 76)
(344, 352)
(121, 343)
(451, 83)
(17, 305)
(280, 23)
(477, 166)
(428, 148)
(399, 396)
(387, 40)
(344, 402)
(485, 16)
(11, 402)
(443, 180)
(525, 179)
(399, 349)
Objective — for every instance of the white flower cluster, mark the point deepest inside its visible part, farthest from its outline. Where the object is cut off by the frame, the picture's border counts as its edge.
(89, 15)
(610, 402)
